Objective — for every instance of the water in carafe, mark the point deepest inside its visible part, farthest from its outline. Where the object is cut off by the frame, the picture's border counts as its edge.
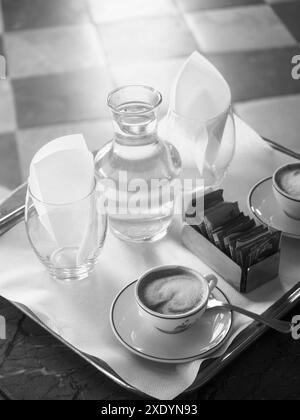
(137, 169)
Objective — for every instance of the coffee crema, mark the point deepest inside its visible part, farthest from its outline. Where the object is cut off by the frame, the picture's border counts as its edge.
(289, 181)
(173, 295)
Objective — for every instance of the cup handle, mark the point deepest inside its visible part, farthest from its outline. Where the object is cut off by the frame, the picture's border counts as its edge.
(212, 281)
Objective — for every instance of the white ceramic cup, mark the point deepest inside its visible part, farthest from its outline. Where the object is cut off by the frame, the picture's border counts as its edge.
(289, 204)
(173, 324)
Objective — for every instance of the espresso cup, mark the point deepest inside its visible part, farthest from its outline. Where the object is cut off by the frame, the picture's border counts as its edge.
(173, 323)
(289, 204)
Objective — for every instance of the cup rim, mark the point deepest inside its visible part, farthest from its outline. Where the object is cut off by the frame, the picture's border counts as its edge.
(63, 204)
(276, 184)
(163, 316)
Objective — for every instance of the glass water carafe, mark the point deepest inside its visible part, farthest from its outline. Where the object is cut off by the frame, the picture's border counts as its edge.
(137, 171)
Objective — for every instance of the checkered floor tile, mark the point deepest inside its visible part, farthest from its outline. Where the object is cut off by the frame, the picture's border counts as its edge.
(194, 5)
(104, 11)
(239, 29)
(64, 56)
(34, 14)
(53, 50)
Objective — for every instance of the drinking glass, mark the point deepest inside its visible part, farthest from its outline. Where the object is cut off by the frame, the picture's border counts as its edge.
(67, 238)
(206, 146)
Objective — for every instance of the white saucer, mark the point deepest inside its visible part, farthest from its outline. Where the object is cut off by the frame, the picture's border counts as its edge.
(202, 339)
(265, 208)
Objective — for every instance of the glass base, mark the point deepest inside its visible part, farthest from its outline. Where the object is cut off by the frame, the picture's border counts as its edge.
(64, 265)
(147, 239)
(70, 275)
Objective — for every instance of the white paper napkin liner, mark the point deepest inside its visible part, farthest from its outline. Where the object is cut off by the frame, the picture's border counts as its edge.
(74, 141)
(68, 165)
(66, 143)
(199, 90)
(56, 165)
(201, 97)
(215, 132)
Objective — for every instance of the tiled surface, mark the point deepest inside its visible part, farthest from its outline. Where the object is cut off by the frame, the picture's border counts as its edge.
(239, 29)
(258, 74)
(28, 14)
(147, 39)
(1, 21)
(280, 1)
(7, 108)
(64, 56)
(104, 11)
(4, 192)
(194, 5)
(289, 13)
(62, 98)
(9, 163)
(1, 46)
(53, 50)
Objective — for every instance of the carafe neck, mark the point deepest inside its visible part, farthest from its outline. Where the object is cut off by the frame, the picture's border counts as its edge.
(133, 130)
(135, 114)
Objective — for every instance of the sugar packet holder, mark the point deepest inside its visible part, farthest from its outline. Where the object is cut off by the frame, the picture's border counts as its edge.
(257, 275)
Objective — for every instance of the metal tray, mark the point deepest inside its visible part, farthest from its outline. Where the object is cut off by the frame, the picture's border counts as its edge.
(209, 369)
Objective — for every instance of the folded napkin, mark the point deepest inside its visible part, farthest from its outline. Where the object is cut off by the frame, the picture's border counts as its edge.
(198, 113)
(62, 171)
(79, 312)
(200, 91)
